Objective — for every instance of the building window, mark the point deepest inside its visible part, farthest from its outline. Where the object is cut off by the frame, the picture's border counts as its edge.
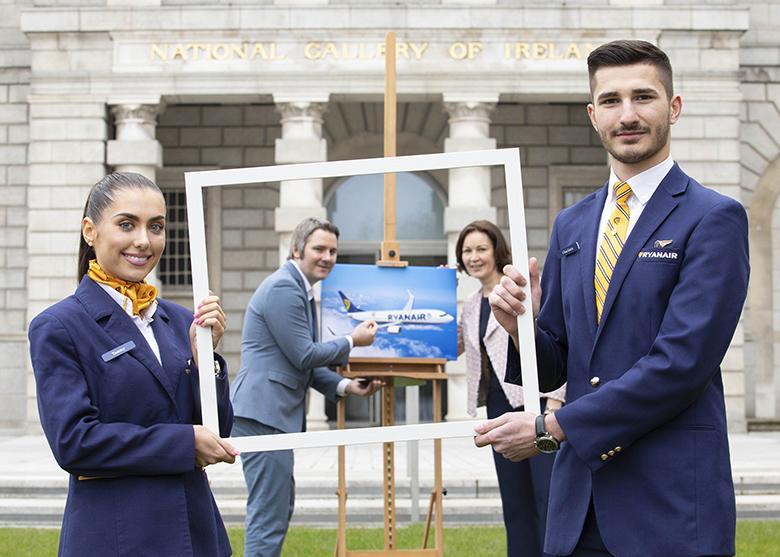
(570, 183)
(571, 195)
(174, 270)
(356, 206)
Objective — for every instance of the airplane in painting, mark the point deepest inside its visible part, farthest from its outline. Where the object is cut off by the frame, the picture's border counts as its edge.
(393, 319)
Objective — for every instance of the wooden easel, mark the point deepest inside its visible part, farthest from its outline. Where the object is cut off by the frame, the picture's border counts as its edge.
(388, 369)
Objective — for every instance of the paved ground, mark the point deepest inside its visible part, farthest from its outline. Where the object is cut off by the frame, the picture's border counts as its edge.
(32, 487)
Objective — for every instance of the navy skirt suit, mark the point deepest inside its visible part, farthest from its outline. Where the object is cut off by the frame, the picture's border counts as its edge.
(122, 429)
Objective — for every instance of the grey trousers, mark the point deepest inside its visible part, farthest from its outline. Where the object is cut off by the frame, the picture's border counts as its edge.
(271, 493)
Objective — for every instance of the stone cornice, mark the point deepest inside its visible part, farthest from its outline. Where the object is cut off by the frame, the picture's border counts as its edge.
(542, 87)
(406, 18)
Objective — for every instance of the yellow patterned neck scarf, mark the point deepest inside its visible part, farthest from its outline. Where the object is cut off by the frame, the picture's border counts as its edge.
(141, 294)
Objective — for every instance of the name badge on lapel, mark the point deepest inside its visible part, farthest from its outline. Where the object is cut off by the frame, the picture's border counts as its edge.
(118, 351)
(568, 250)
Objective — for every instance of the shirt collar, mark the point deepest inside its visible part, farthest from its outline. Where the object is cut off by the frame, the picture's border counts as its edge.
(127, 304)
(306, 283)
(643, 185)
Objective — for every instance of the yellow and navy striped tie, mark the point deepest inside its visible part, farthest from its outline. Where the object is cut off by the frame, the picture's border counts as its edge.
(611, 244)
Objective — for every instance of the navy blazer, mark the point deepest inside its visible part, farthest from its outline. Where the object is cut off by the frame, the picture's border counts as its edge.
(280, 359)
(126, 426)
(648, 442)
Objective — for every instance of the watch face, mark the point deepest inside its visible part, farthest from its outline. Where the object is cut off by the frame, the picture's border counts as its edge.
(546, 444)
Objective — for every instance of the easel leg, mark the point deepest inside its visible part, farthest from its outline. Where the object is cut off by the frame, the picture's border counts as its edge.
(388, 418)
(341, 537)
(428, 517)
(437, 471)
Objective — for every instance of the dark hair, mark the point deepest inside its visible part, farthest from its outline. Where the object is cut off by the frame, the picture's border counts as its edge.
(305, 229)
(628, 52)
(501, 251)
(101, 196)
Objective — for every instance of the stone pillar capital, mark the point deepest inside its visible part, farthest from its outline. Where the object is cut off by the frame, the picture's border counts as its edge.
(471, 108)
(301, 116)
(135, 148)
(128, 113)
(135, 119)
(301, 110)
(469, 117)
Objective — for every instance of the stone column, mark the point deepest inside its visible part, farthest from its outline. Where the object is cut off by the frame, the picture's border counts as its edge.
(469, 199)
(136, 148)
(66, 157)
(14, 352)
(301, 142)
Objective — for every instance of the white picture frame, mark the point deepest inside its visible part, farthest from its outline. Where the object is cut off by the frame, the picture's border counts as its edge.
(196, 182)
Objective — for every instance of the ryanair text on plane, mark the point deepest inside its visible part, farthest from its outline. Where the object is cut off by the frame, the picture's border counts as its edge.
(409, 316)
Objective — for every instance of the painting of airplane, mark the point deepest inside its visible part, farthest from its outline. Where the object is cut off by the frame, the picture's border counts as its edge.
(393, 319)
(415, 308)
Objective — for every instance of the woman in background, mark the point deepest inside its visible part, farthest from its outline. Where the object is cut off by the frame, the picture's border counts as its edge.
(118, 395)
(482, 252)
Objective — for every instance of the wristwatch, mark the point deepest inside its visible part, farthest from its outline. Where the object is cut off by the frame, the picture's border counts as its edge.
(545, 442)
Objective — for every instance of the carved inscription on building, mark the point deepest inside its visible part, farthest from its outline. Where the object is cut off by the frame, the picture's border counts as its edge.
(350, 50)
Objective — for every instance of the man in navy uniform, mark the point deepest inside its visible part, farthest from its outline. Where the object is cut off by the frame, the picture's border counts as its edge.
(643, 286)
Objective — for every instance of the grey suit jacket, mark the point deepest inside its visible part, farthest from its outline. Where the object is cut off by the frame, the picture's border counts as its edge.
(279, 358)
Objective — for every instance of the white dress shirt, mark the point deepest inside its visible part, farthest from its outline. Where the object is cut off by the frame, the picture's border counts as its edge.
(341, 388)
(643, 185)
(143, 322)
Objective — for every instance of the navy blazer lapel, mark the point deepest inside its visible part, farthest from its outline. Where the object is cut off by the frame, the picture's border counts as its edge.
(591, 217)
(121, 328)
(172, 359)
(663, 202)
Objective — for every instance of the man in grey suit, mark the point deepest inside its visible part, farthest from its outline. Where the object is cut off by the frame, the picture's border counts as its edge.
(281, 357)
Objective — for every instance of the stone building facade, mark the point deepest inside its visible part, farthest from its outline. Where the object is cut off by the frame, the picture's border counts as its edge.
(162, 87)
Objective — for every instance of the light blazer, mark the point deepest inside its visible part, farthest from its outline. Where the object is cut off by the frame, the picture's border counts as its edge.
(649, 442)
(279, 358)
(496, 339)
(128, 423)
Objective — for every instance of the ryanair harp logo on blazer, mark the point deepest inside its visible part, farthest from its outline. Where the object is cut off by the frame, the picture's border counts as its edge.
(660, 253)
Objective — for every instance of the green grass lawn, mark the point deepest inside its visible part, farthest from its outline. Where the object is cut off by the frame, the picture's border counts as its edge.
(754, 539)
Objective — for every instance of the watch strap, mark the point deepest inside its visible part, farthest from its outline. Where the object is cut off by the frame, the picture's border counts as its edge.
(540, 429)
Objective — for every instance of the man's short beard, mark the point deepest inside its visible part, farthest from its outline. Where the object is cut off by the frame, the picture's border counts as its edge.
(662, 136)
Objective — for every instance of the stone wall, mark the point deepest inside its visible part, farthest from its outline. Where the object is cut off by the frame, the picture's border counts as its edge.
(14, 134)
(760, 182)
(77, 71)
(227, 136)
(547, 135)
